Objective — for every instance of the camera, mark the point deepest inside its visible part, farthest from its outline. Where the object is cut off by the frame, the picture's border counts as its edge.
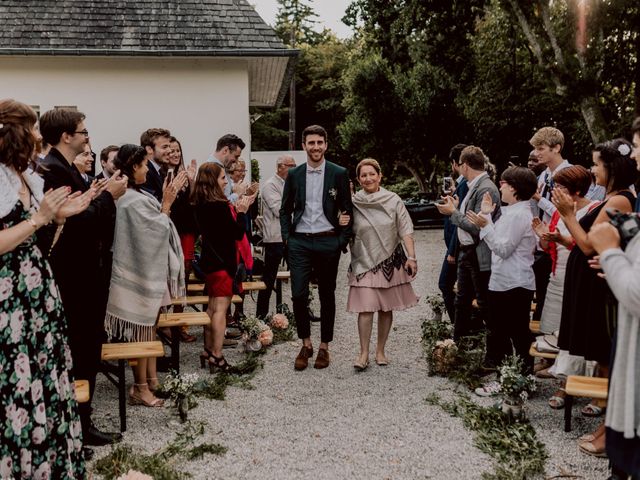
(627, 224)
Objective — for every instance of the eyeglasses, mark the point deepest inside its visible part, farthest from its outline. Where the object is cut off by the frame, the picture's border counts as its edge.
(83, 132)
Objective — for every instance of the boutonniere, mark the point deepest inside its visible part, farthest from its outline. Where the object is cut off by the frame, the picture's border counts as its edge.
(333, 193)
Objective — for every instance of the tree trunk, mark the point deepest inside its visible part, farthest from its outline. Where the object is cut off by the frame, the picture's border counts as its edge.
(416, 175)
(593, 118)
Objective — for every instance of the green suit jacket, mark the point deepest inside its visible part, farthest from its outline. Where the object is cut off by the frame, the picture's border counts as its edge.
(336, 198)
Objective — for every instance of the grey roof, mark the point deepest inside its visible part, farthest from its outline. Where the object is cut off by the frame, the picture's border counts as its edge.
(136, 27)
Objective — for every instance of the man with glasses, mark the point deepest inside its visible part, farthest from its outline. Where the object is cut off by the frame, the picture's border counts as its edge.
(75, 258)
(271, 195)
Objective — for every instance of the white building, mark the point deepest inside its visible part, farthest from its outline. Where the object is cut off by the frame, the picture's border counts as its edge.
(194, 67)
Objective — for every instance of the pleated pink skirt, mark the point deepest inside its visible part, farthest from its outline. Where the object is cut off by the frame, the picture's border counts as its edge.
(375, 292)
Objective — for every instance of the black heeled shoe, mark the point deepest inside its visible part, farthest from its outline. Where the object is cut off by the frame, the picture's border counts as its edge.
(204, 357)
(219, 364)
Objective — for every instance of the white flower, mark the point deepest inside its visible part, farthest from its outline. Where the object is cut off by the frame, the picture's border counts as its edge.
(49, 304)
(42, 360)
(36, 390)
(33, 279)
(4, 320)
(624, 149)
(25, 460)
(48, 341)
(21, 366)
(6, 467)
(43, 472)
(65, 386)
(38, 435)
(18, 418)
(22, 386)
(40, 413)
(6, 287)
(17, 319)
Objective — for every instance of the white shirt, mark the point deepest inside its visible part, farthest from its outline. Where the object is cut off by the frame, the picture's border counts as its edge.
(313, 219)
(512, 243)
(465, 237)
(545, 180)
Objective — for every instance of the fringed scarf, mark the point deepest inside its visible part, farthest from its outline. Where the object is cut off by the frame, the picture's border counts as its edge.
(10, 186)
(147, 257)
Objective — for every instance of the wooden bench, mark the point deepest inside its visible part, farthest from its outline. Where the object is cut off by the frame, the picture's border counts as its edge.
(121, 352)
(578, 386)
(174, 321)
(82, 391)
(281, 277)
(199, 300)
(534, 326)
(535, 353)
(198, 288)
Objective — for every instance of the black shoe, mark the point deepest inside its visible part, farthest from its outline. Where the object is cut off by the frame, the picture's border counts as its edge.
(93, 436)
(88, 453)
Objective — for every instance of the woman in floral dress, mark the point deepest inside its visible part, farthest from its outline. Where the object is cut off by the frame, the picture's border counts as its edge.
(40, 434)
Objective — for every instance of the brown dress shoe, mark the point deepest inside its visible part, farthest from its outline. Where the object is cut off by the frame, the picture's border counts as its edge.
(302, 360)
(322, 360)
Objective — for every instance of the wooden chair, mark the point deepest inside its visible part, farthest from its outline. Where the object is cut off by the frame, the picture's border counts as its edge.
(579, 386)
(174, 321)
(82, 391)
(121, 352)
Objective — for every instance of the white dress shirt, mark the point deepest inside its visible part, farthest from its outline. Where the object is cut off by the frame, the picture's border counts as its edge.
(544, 205)
(512, 243)
(313, 219)
(465, 237)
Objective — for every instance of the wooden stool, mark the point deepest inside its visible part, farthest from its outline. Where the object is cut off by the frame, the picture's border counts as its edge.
(281, 277)
(116, 374)
(579, 386)
(174, 321)
(535, 353)
(82, 391)
(534, 326)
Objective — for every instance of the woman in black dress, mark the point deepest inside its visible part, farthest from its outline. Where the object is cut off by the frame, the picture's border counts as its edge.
(588, 308)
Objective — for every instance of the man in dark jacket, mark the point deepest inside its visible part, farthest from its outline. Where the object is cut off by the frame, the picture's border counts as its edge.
(315, 194)
(75, 258)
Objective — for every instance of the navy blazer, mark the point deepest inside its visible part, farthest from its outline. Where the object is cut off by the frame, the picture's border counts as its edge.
(450, 230)
(336, 198)
(154, 183)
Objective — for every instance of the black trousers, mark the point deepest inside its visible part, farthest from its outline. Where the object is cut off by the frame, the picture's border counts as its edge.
(319, 256)
(508, 325)
(542, 271)
(471, 282)
(446, 282)
(273, 253)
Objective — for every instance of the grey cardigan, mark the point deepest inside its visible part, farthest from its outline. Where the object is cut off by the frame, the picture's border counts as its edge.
(623, 276)
(485, 184)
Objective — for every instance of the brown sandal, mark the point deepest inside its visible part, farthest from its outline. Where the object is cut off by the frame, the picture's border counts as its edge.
(136, 399)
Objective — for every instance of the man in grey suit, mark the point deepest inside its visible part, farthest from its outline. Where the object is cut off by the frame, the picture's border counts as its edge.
(474, 256)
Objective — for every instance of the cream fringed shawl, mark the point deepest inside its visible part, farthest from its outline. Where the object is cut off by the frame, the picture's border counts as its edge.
(380, 220)
(147, 257)
(10, 185)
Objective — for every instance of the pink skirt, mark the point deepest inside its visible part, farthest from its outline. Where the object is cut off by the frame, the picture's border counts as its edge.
(374, 292)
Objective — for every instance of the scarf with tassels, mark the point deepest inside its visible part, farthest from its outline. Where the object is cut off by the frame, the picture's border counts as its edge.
(147, 258)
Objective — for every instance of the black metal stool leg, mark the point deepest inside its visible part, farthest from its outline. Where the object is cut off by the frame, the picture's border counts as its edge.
(568, 406)
(121, 396)
(278, 292)
(175, 349)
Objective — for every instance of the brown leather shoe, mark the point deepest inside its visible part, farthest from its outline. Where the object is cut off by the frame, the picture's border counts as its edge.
(322, 360)
(302, 360)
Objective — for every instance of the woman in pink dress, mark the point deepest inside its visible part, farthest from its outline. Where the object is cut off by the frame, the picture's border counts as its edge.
(381, 272)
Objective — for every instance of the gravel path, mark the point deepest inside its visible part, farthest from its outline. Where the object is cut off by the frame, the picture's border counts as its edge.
(337, 423)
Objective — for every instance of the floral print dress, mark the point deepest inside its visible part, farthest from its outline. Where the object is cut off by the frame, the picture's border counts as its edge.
(40, 433)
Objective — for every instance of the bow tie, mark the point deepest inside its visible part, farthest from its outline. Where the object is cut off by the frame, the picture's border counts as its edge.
(314, 170)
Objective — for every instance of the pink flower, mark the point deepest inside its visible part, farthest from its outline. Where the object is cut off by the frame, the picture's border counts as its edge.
(21, 366)
(6, 467)
(6, 287)
(279, 321)
(36, 390)
(18, 418)
(17, 319)
(40, 414)
(43, 472)
(266, 337)
(38, 435)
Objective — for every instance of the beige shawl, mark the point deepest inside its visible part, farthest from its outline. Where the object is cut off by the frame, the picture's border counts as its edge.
(380, 221)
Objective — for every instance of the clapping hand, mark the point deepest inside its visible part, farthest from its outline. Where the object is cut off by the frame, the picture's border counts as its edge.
(116, 185)
(487, 206)
(604, 236)
(448, 206)
(192, 169)
(244, 202)
(478, 220)
(539, 227)
(98, 186)
(563, 203)
(76, 203)
(50, 205)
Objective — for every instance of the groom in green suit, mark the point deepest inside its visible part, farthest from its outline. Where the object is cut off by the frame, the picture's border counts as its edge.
(315, 194)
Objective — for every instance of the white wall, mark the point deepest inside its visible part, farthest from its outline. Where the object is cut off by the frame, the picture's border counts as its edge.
(267, 161)
(197, 99)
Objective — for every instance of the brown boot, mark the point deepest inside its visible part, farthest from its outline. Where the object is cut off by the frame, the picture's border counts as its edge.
(302, 360)
(322, 360)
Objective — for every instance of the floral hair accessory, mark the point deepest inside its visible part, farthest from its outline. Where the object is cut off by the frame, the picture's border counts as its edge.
(624, 149)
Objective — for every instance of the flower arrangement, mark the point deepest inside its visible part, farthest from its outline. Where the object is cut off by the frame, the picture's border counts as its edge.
(436, 304)
(283, 324)
(437, 344)
(266, 336)
(255, 333)
(279, 321)
(181, 390)
(444, 356)
(515, 386)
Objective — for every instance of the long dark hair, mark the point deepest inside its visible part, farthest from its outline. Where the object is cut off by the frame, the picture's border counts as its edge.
(17, 142)
(616, 158)
(207, 188)
(181, 164)
(129, 156)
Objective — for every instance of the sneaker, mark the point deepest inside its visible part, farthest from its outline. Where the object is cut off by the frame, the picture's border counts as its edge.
(488, 389)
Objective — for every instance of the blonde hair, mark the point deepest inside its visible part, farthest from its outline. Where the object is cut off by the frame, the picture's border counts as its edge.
(549, 136)
(368, 161)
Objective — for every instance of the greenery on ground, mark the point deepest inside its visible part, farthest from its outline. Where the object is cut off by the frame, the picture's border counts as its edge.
(161, 465)
(215, 387)
(512, 443)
